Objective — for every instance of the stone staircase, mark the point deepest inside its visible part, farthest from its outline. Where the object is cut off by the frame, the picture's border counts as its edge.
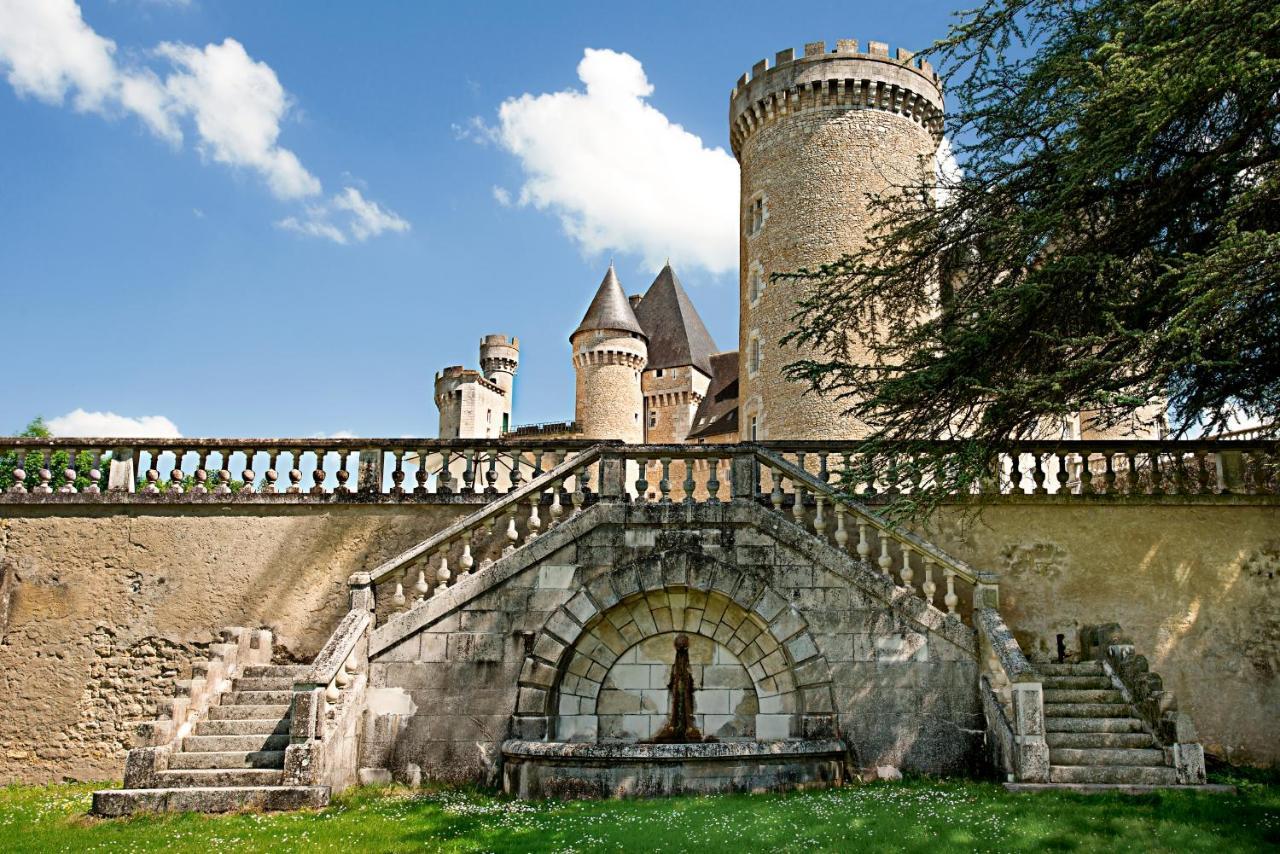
(1094, 735)
(232, 756)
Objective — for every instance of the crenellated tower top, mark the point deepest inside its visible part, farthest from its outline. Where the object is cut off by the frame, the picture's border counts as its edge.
(846, 78)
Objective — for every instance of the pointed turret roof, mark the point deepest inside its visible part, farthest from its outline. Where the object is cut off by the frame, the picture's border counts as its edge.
(610, 309)
(676, 333)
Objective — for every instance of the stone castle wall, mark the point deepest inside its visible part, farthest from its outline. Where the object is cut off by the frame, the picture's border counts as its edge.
(100, 607)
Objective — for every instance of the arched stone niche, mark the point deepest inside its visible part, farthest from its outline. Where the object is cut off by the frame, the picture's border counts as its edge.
(598, 671)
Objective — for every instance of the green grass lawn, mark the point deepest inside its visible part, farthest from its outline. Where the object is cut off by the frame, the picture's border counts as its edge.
(915, 815)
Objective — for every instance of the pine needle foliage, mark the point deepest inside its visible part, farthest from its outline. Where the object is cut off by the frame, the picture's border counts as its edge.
(1112, 245)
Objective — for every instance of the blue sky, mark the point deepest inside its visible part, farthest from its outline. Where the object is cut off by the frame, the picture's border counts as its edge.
(163, 252)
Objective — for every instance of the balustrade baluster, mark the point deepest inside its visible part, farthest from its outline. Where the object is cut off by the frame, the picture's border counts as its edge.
(1064, 476)
(295, 473)
(421, 476)
(842, 535)
(1015, 474)
(223, 486)
(19, 485)
(1180, 476)
(95, 473)
(885, 560)
(153, 474)
(1086, 474)
(421, 587)
(535, 521)
(578, 496)
(713, 480)
(951, 599)
(318, 473)
(248, 474)
(869, 475)
(928, 587)
(516, 476)
(69, 475)
(1131, 476)
(271, 473)
(513, 535)
(664, 485)
(1038, 475)
(642, 483)
(491, 473)
(775, 495)
(397, 474)
(1109, 475)
(466, 561)
(797, 502)
(537, 464)
(175, 473)
(444, 480)
(1157, 477)
(819, 519)
(689, 485)
(442, 574)
(824, 474)
(906, 573)
(864, 544)
(469, 472)
(557, 509)
(398, 597)
(891, 476)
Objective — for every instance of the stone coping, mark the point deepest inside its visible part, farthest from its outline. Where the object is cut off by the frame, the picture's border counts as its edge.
(697, 752)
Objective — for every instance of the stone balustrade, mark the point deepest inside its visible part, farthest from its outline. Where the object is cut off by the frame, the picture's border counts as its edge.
(478, 471)
(283, 470)
(1012, 698)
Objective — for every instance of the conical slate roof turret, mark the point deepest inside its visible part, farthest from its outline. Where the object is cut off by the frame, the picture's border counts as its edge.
(610, 309)
(677, 335)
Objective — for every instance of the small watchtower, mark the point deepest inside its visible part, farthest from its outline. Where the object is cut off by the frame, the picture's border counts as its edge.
(609, 352)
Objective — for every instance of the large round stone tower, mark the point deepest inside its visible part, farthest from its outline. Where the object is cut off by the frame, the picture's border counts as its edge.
(814, 136)
(609, 353)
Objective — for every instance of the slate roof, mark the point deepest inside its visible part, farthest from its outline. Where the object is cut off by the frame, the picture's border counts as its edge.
(676, 333)
(610, 309)
(718, 411)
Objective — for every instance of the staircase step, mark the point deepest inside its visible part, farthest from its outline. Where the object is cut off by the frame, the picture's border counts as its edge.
(1075, 682)
(243, 726)
(227, 759)
(1093, 725)
(1105, 756)
(256, 698)
(1087, 710)
(1087, 740)
(237, 713)
(112, 803)
(289, 671)
(1133, 774)
(219, 743)
(262, 683)
(1090, 695)
(1084, 668)
(218, 777)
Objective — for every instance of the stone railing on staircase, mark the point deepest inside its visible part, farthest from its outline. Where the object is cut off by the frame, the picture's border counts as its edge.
(156, 740)
(1012, 700)
(1144, 691)
(328, 701)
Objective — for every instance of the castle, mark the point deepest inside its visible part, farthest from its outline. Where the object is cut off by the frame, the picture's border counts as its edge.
(815, 136)
(262, 622)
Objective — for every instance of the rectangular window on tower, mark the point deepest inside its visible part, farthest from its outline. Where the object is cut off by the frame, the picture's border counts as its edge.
(751, 429)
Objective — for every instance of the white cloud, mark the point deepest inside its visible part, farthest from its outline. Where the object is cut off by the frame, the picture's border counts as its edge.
(337, 434)
(619, 174)
(474, 130)
(97, 424)
(368, 219)
(235, 103)
(502, 196)
(359, 219)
